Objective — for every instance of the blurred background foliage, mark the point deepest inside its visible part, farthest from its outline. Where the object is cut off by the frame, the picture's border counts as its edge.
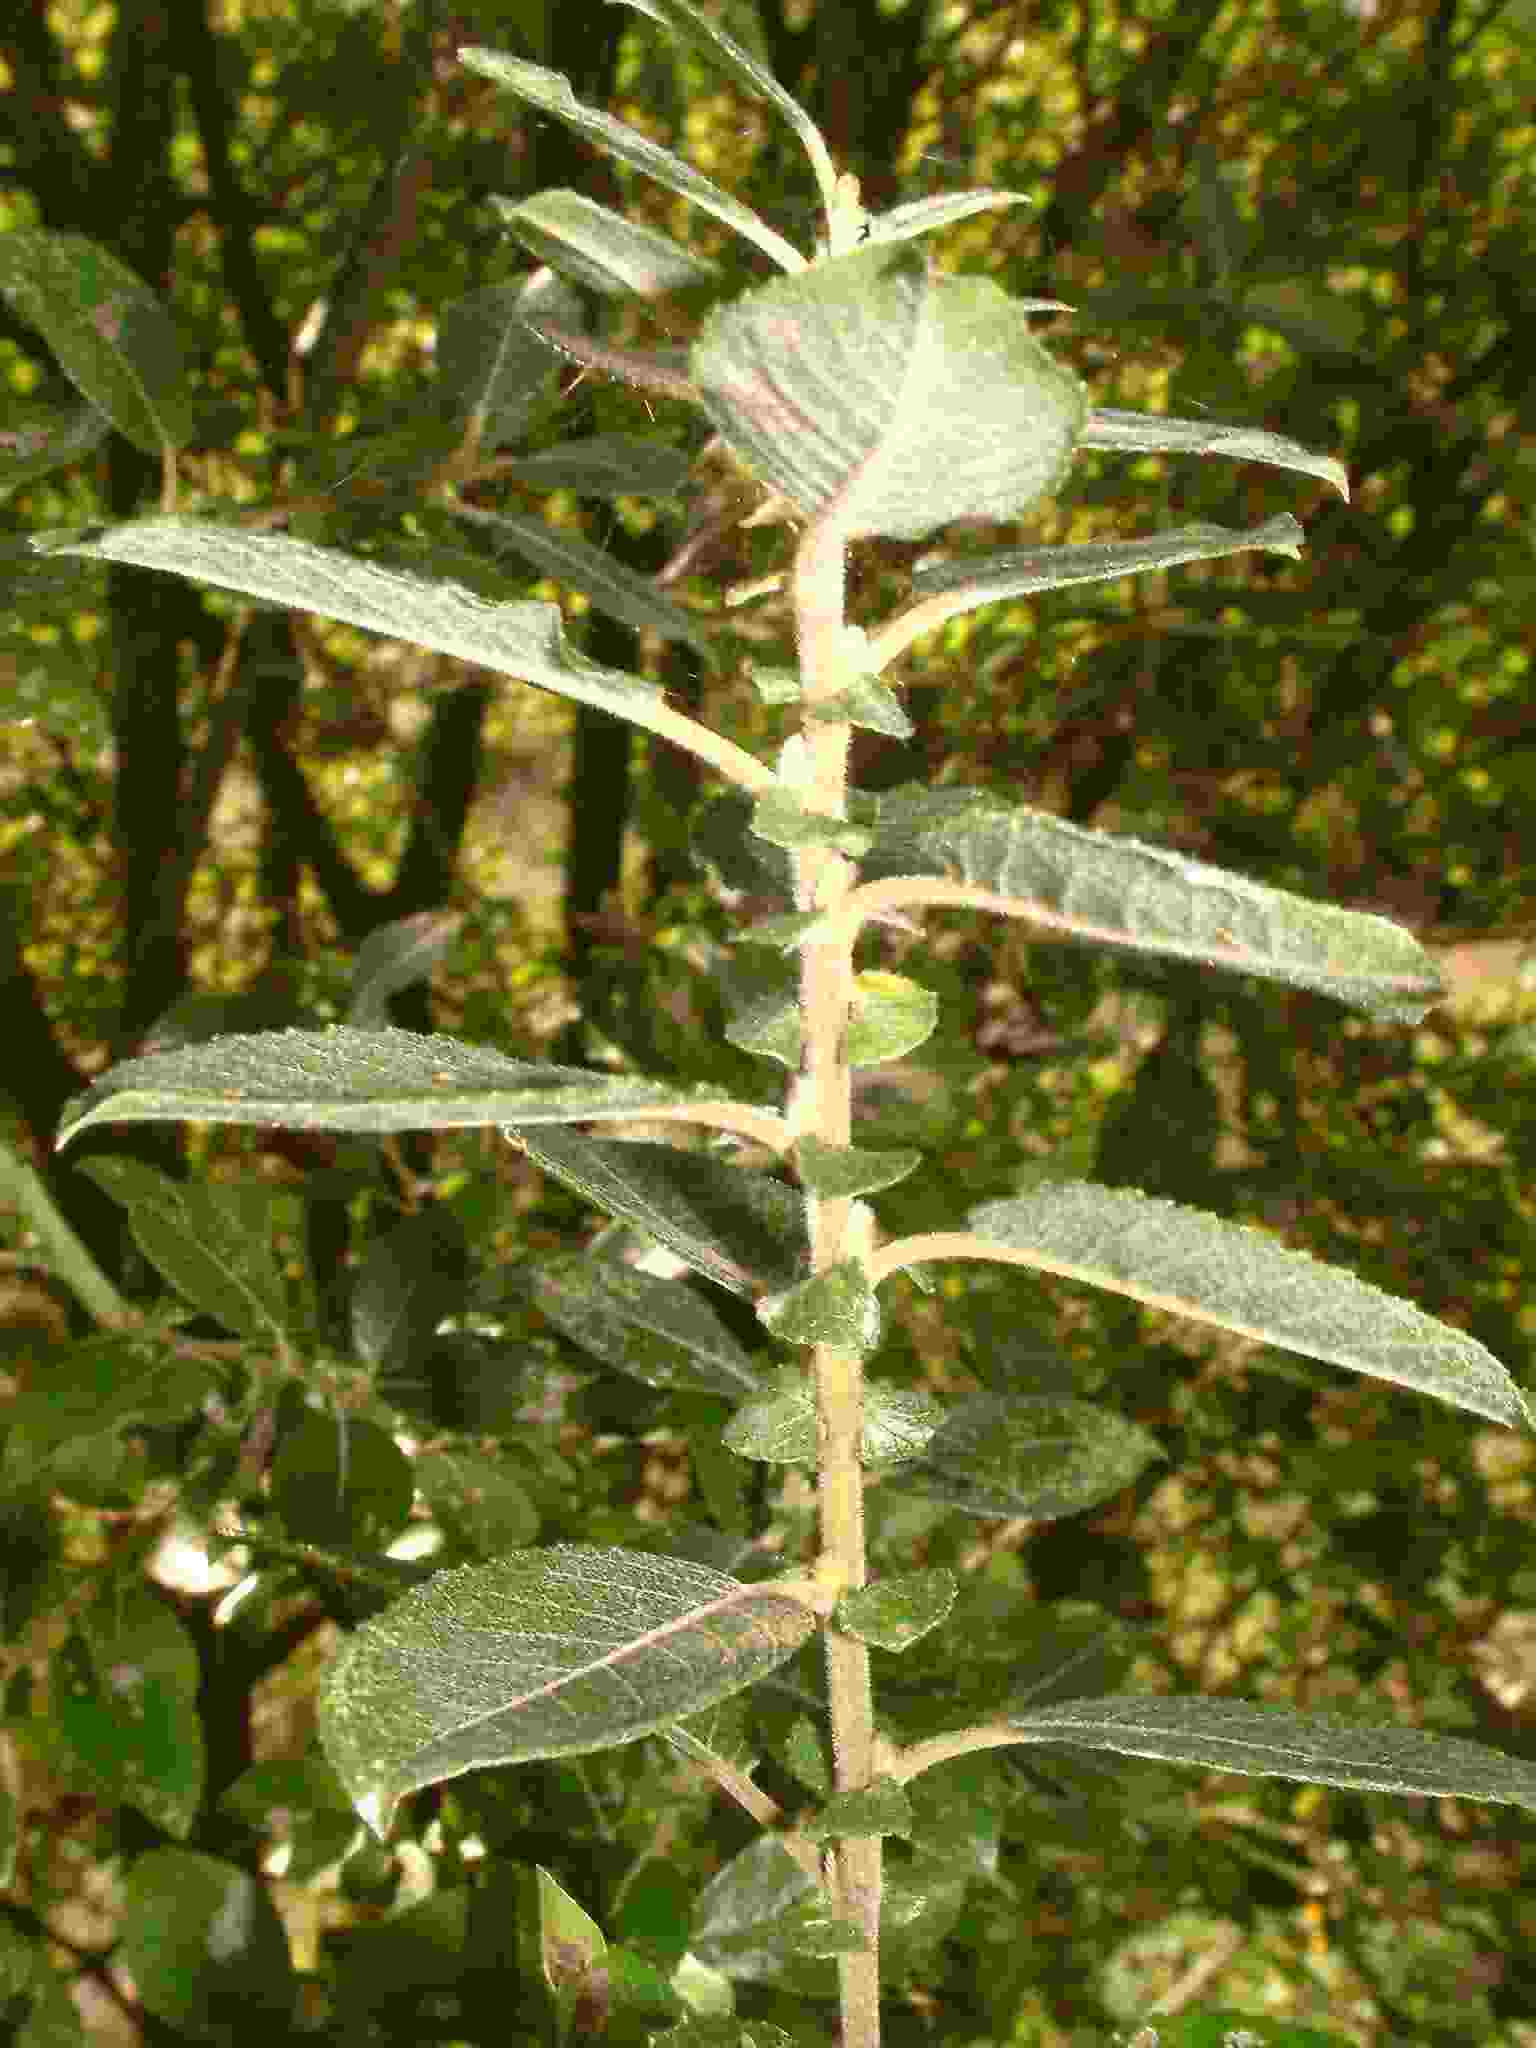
(1315, 217)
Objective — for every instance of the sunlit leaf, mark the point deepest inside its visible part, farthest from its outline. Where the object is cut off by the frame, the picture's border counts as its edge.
(539, 1654)
(113, 338)
(1279, 1742)
(1114, 892)
(1188, 1263)
(550, 92)
(346, 1079)
(902, 395)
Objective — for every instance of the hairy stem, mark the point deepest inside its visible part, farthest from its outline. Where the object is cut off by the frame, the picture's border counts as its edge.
(822, 1107)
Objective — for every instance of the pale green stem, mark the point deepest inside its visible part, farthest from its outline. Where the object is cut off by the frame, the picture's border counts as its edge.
(822, 1107)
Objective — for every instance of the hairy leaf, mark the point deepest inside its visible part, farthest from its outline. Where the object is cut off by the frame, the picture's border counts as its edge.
(656, 1330)
(1191, 1264)
(550, 92)
(1279, 1742)
(546, 1653)
(739, 1228)
(1118, 893)
(347, 1079)
(600, 249)
(900, 395)
(1030, 1454)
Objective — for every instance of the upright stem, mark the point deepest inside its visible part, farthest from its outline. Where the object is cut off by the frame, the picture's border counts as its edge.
(822, 1107)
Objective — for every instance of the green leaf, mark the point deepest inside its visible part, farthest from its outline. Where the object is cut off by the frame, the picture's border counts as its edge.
(297, 1802)
(964, 583)
(41, 438)
(1144, 433)
(342, 1483)
(550, 92)
(763, 1008)
(212, 1241)
(101, 1385)
(1187, 1263)
(1030, 1454)
(779, 817)
(704, 33)
(478, 1497)
(889, 1017)
(893, 1614)
(879, 1808)
(1116, 892)
(492, 369)
(23, 1189)
(741, 1229)
(571, 1944)
(925, 216)
(114, 340)
(203, 1946)
(395, 955)
(890, 395)
(604, 466)
(1278, 1742)
(632, 599)
(409, 1279)
(780, 1428)
(805, 1758)
(525, 639)
(350, 1080)
(34, 1996)
(125, 1701)
(547, 1653)
(832, 1172)
(610, 255)
(1004, 1652)
(658, 1331)
(867, 703)
(837, 1307)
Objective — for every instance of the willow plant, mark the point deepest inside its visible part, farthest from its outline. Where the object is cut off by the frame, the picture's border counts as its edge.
(868, 394)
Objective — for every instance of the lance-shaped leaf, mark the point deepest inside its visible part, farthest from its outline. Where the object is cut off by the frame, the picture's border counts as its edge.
(1190, 1264)
(620, 592)
(1279, 1742)
(491, 368)
(947, 588)
(658, 1331)
(610, 255)
(211, 1241)
(347, 1079)
(742, 1229)
(23, 1189)
(692, 26)
(924, 216)
(395, 955)
(604, 466)
(548, 1653)
(1119, 893)
(896, 396)
(114, 340)
(550, 92)
(522, 639)
(1039, 1455)
(1145, 433)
